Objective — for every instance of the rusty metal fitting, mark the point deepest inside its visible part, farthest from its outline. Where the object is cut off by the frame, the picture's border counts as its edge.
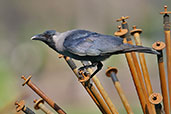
(20, 105)
(123, 18)
(37, 102)
(165, 10)
(159, 45)
(26, 80)
(155, 98)
(67, 58)
(85, 76)
(135, 30)
(111, 69)
(121, 32)
(60, 56)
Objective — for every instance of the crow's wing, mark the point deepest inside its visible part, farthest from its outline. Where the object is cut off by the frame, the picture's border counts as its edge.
(82, 43)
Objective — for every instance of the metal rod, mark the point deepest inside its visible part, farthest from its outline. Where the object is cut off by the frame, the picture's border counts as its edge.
(21, 106)
(156, 99)
(102, 91)
(136, 33)
(159, 46)
(166, 22)
(90, 89)
(136, 73)
(39, 104)
(111, 72)
(42, 95)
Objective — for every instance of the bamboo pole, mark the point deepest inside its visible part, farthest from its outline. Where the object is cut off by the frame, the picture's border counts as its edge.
(102, 91)
(166, 27)
(136, 33)
(135, 70)
(137, 83)
(138, 70)
(159, 46)
(150, 107)
(122, 33)
(90, 89)
(111, 72)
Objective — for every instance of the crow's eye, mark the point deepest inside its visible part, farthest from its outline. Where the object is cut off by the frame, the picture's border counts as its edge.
(47, 35)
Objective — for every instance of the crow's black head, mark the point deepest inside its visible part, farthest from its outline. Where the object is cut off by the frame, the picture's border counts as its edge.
(45, 37)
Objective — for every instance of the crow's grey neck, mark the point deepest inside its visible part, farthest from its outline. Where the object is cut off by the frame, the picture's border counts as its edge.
(59, 39)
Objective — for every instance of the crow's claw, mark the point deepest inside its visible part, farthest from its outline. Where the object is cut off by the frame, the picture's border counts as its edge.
(82, 68)
(86, 76)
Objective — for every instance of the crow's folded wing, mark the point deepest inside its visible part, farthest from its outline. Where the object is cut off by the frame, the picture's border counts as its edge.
(86, 43)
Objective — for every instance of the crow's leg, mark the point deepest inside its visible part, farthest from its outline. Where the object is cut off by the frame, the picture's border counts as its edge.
(83, 71)
(99, 67)
(87, 66)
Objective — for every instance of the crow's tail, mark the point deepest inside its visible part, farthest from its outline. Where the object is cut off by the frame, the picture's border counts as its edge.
(141, 49)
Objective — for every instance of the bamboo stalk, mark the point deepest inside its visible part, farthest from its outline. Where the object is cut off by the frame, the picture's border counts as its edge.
(166, 22)
(104, 94)
(136, 72)
(122, 33)
(151, 108)
(137, 82)
(159, 46)
(136, 33)
(111, 72)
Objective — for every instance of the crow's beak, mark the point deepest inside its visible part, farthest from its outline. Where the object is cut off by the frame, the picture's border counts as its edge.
(38, 37)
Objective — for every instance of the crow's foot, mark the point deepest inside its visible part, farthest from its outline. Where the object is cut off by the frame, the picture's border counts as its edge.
(85, 76)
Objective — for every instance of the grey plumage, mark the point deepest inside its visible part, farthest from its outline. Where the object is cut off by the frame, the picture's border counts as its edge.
(88, 46)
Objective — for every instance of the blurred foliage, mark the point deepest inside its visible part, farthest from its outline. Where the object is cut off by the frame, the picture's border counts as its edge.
(6, 83)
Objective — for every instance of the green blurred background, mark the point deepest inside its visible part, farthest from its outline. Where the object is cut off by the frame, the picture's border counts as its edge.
(21, 19)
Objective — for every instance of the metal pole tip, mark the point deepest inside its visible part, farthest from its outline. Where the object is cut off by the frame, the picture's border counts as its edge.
(155, 98)
(159, 45)
(111, 69)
